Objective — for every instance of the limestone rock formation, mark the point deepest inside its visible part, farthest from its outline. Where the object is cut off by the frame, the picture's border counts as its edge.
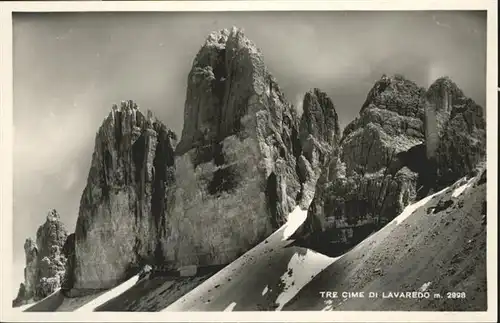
(455, 131)
(45, 263)
(51, 262)
(375, 173)
(319, 134)
(121, 208)
(406, 142)
(244, 161)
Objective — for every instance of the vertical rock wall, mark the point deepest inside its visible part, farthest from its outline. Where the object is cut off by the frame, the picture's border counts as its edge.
(121, 209)
(455, 132)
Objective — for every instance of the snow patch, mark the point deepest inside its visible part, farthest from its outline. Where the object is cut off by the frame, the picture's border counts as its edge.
(230, 307)
(459, 190)
(264, 292)
(294, 221)
(112, 293)
(424, 287)
(301, 270)
(412, 207)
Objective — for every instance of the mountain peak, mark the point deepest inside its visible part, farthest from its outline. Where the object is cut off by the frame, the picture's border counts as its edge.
(443, 88)
(319, 118)
(220, 37)
(398, 94)
(227, 66)
(445, 81)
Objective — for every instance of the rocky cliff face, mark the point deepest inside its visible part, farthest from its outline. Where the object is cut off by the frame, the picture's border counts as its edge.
(121, 208)
(45, 263)
(319, 135)
(244, 161)
(406, 142)
(455, 132)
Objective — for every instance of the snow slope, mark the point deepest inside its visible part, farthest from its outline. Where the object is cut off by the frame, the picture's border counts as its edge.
(105, 297)
(57, 302)
(412, 208)
(264, 278)
(421, 250)
(270, 275)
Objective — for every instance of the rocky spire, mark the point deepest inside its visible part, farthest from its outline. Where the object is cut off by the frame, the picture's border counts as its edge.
(45, 263)
(319, 136)
(120, 213)
(227, 72)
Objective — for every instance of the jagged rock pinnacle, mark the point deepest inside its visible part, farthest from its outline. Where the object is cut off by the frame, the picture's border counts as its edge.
(44, 261)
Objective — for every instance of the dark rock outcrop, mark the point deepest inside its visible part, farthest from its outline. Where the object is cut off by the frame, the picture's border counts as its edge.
(21, 297)
(31, 269)
(68, 251)
(45, 263)
(244, 161)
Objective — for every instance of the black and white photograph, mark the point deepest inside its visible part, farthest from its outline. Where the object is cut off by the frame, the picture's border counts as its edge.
(250, 161)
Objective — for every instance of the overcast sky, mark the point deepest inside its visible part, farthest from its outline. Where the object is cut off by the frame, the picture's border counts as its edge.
(69, 68)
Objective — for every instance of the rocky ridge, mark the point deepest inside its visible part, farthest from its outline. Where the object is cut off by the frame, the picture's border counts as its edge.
(45, 263)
